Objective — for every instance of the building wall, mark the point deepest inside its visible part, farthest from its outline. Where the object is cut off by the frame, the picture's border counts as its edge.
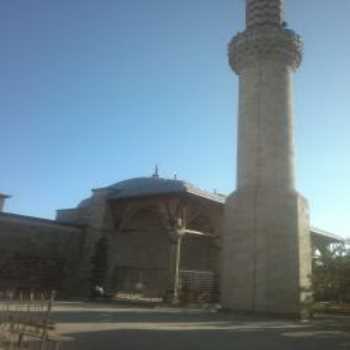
(38, 253)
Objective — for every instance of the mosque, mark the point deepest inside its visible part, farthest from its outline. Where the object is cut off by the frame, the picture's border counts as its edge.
(252, 248)
(163, 233)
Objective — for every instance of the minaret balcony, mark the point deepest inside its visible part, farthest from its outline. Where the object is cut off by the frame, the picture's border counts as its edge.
(253, 47)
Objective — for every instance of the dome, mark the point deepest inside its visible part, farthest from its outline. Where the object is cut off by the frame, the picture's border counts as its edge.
(147, 186)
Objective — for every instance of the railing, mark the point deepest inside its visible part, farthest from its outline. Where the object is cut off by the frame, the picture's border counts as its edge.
(26, 323)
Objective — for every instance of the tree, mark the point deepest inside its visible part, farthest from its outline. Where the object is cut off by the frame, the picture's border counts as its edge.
(331, 274)
(99, 262)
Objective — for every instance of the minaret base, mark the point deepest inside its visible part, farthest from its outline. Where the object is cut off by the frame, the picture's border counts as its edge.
(266, 253)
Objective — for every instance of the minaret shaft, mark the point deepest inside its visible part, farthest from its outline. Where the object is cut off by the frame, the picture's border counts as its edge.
(265, 140)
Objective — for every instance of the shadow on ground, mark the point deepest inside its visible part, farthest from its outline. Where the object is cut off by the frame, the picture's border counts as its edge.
(111, 327)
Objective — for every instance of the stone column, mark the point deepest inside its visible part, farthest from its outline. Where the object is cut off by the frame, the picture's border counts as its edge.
(266, 249)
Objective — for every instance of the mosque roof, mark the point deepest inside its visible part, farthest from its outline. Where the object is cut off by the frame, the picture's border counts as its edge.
(332, 237)
(154, 185)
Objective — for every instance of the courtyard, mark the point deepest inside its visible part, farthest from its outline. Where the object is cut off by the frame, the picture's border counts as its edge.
(106, 327)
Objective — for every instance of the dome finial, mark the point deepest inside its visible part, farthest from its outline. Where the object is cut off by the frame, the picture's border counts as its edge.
(156, 172)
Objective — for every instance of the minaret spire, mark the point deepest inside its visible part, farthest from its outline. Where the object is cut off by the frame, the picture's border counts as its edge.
(264, 13)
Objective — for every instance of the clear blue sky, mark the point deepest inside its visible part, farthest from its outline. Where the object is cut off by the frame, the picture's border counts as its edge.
(96, 91)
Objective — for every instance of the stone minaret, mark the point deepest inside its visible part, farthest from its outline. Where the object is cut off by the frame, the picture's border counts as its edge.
(266, 250)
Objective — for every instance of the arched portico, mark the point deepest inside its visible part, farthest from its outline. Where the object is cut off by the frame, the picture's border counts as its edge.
(161, 240)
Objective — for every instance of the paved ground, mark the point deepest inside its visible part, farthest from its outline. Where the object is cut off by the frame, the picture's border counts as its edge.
(106, 327)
